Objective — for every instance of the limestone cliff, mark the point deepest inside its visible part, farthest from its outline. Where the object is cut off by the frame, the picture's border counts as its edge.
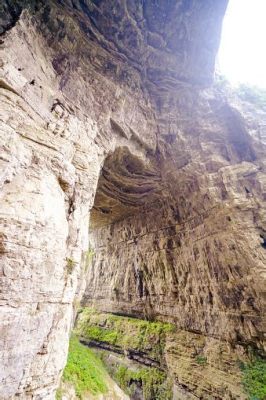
(107, 109)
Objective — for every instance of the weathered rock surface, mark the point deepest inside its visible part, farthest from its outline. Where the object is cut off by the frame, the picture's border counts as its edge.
(198, 365)
(179, 215)
(193, 252)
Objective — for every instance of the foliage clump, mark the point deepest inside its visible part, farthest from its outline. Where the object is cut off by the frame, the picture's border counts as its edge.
(70, 265)
(201, 360)
(248, 93)
(252, 94)
(124, 332)
(254, 378)
(84, 370)
(59, 394)
(154, 383)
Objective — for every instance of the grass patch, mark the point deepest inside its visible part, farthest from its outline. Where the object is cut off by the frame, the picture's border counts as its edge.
(254, 378)
(201, 360)
(59, 394)
(84, 370)
(124, 332)
(154, 382)
(101, 335)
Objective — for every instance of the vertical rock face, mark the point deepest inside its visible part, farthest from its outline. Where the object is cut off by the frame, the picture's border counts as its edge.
(104, 106)
(185, 254)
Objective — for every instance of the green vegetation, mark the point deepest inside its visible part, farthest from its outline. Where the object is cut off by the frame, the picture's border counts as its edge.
(252, 94)
(131, 334)
(154, 382)
(201, 360)
(59, 394)
(88, 257)
(101, 335)
(254, 378)
(70, 265)
(124, 332)
(84, 370)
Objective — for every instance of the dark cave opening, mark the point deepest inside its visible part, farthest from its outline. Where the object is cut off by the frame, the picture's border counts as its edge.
(129, 187)
(126, 184)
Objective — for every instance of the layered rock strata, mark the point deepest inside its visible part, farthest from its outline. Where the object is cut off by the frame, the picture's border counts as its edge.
(197, 366)
(105, 107)
(185, 254)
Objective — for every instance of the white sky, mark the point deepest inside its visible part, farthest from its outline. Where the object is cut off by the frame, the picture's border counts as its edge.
(242, 54)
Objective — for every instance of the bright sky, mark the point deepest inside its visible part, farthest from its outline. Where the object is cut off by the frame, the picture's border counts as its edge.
(242, 54)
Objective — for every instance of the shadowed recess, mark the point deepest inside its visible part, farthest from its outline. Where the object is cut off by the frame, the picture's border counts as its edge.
(126, 184)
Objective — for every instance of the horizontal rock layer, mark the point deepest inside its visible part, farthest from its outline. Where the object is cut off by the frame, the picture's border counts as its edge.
(202, 367)
(185, 254)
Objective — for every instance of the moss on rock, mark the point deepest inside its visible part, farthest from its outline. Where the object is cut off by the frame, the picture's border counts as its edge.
(125, 332)
(154, 383)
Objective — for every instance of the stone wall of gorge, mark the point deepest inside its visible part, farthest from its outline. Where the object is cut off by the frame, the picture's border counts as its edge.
(195, 366)
(190, 250)
(55, 132)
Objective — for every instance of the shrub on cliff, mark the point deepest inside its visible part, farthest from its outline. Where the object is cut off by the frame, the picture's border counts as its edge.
(252, 94)
(154, 383)
(84, 370)
(254, 378)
